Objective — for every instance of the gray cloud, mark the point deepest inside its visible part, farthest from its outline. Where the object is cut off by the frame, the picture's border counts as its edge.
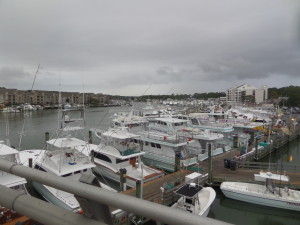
(9, 76)
(123, 47)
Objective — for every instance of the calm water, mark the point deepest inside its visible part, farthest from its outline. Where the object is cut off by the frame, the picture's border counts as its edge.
(38, 122)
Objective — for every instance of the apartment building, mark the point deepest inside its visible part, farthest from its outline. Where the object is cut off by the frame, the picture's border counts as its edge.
(39, 97)
(247, 94)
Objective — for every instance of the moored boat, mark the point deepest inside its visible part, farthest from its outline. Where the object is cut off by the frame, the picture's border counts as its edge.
(267, 194)
(195, 199)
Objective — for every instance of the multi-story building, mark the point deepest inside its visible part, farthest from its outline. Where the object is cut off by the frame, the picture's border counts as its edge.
(247, 94)
(39, 97)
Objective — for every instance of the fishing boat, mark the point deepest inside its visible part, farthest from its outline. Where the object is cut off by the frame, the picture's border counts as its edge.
(267, 194)
(121, 150)
(202, 137)
(68, 163)
(61, 158)
(133, 122)
(8, 216)
(195, 199)
(161, 150)
(7, 179)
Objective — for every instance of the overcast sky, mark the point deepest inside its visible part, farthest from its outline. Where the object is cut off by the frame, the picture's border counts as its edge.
(137, 47)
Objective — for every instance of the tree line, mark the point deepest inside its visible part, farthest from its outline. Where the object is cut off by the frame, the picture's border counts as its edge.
(292, 92)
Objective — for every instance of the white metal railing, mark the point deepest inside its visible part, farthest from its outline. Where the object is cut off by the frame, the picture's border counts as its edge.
(137, 206)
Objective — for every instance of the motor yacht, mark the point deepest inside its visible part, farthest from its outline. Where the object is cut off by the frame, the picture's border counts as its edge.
(121, 150)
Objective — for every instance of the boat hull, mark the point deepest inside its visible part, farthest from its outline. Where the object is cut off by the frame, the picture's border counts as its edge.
(260, 198)
(166, 163)
(48, 196)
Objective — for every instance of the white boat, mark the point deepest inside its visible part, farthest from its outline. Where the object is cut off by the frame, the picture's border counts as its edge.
(267, 194)
(161, 149)
(62, 159)
(11, 181)
(68, 163)
(7, 179)
(10, 110)
(164, 140)
(118, 150)
(132, 122)
(195, 199)
(202, 121)
(201, 137)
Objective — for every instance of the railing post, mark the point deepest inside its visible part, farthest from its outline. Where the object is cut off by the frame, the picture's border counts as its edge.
(256, 149)
(210, 177)
(235, 141)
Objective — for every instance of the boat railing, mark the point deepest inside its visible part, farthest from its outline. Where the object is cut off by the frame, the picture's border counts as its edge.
(272, 167)
(213, 124)
(154, 154)
(173, 139)
(129, 152)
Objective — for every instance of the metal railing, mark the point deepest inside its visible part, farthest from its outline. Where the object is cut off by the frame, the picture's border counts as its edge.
(39, 210)
(137, 206)
(285, 167)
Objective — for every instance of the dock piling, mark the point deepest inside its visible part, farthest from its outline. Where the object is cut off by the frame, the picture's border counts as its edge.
(123, 175)
(47, 136)
(177, 162)
(209, 164)
(90, 137)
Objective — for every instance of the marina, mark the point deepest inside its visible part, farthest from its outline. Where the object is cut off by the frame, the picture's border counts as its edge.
(144, 112)
(152, 190)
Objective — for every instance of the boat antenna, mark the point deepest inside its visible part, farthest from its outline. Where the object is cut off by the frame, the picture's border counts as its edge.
(23, 127)
(7, 130)
(35, 77)
(83, 106)
(147, 89)
(59, 104)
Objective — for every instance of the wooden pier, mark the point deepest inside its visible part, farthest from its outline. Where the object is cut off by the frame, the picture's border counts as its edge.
(244, 170)
(162, 189)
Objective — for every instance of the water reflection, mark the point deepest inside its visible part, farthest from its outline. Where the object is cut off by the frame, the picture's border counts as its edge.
(242, 213)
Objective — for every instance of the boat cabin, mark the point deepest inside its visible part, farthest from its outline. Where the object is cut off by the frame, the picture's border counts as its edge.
(118, 149)
(65, 163)
(168, 125)
(7, 179)
(132, 123)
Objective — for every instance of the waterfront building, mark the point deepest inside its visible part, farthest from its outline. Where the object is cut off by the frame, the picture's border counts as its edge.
(40, 97)
(247, 94)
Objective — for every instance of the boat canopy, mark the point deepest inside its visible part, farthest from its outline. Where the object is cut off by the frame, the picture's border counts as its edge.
(189, 190)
